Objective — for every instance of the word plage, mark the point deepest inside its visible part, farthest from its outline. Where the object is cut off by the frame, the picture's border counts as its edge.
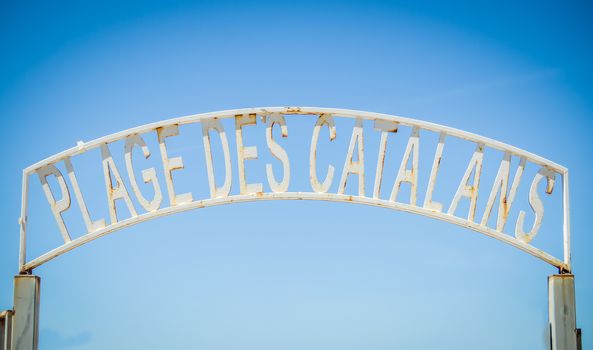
(359, 162)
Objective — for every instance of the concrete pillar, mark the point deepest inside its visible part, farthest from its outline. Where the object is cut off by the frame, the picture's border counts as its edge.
(25, 325)
(562, 312)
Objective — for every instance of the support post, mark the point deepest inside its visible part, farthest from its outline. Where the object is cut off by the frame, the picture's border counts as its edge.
(2, 330)
(5, 329)
(562, 312)
(25, 326)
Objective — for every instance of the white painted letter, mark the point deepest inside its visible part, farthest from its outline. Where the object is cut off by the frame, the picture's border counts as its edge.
(148, 175)
(170, 164)
(57, 207)
(505, 201)
(91, 226)
(536, 204)
(120, 191)
(405, 175)
(324, 119)
(469, 191)
(384, 126)
(350, 167)
(278, 152)
(225, 189)
(438, 155)
(244, 153)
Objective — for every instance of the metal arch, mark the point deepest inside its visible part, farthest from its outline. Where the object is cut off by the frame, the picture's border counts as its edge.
(563, 265)
(82, 147)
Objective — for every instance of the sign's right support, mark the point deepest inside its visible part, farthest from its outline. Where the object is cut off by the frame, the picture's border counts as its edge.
(562, 313)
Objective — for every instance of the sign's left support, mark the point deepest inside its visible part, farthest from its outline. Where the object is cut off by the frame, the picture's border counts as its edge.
(5, 329)
(25, 320)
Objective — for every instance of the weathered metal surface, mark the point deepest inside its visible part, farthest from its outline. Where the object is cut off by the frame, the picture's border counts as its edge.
(354, 167)
(170, 164)
(225, 189)
(500, 188)
(59, 198)
(438, 155)
(6, 330)
(25, 326)
(277, 151)
(562, 312)
(148, 175)
(245, 153)
(324, 119)
(466, 190)
(385, 127)
(406, 175)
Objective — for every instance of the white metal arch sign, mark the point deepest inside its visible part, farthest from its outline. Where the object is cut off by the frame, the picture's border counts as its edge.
(382, 194)
(513, 212)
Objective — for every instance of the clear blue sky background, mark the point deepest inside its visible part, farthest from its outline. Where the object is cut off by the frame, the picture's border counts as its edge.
(292, 275)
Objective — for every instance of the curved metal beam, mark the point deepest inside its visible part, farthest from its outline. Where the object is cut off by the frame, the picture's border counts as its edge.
(295, 196)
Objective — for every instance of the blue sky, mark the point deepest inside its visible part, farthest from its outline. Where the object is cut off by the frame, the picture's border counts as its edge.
(292, 275)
